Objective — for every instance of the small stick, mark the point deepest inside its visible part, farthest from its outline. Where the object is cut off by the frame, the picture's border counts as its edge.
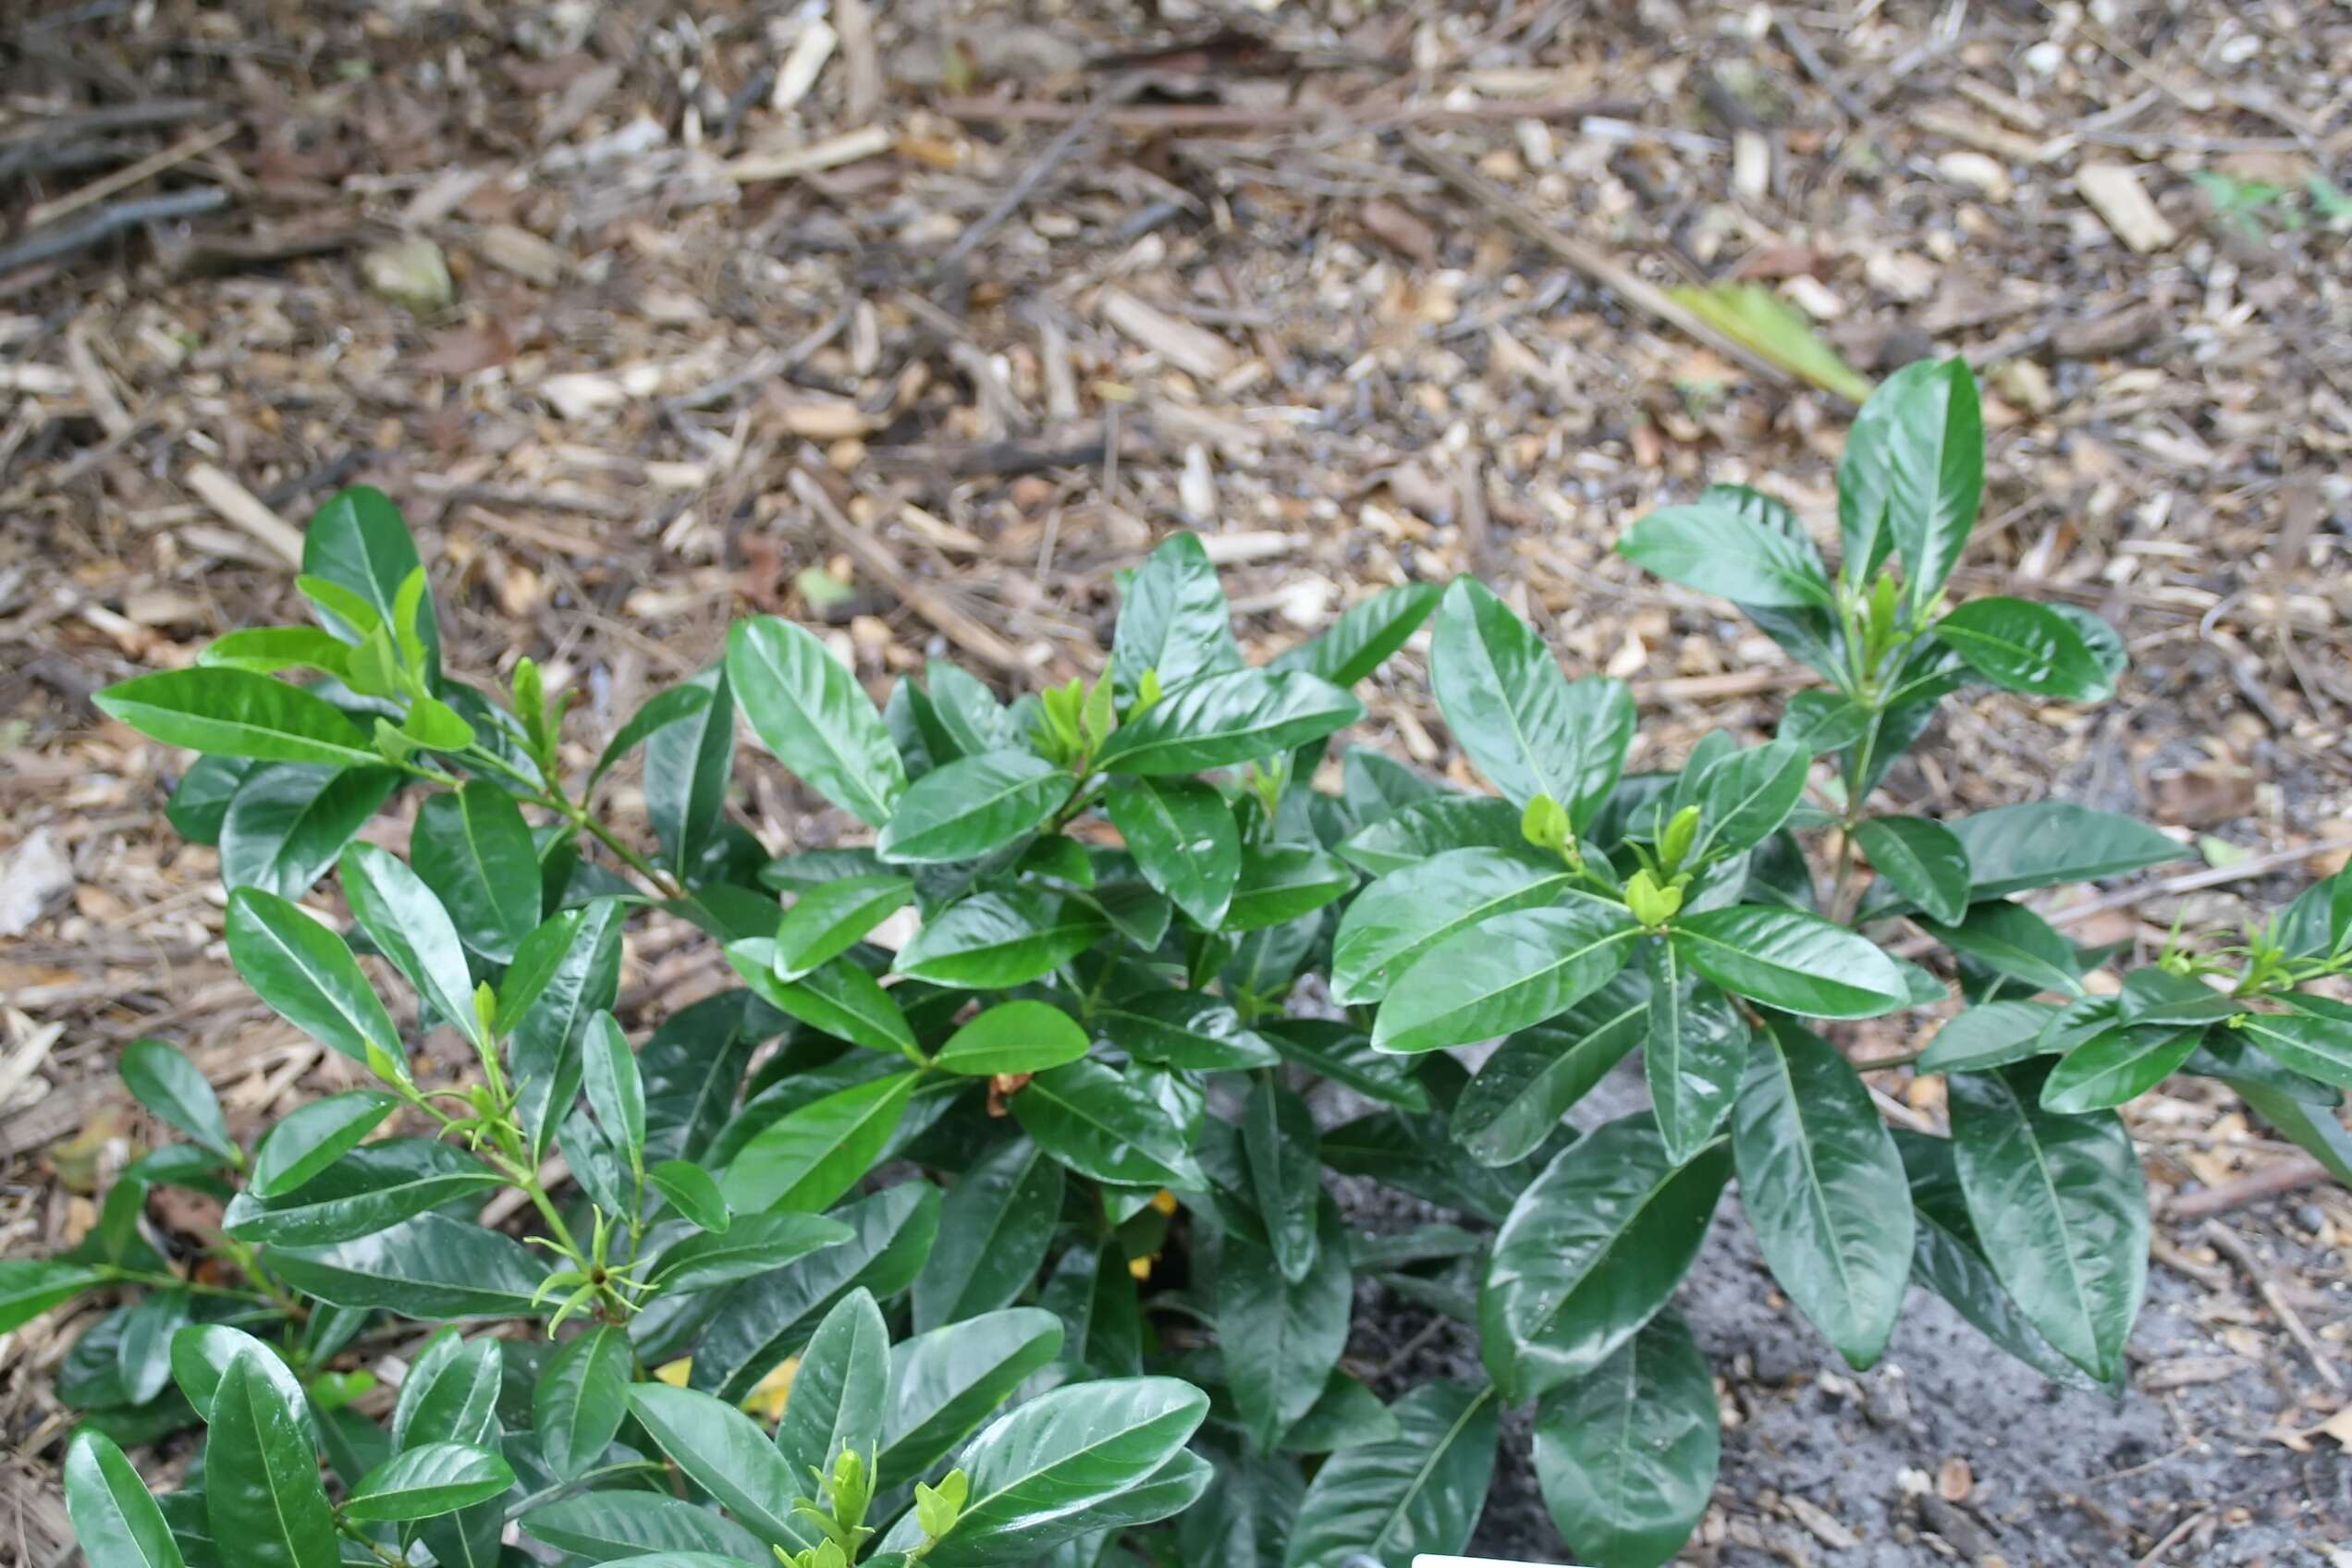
(958, 626)
(50, 244)
(2286, 1176)
(236, 504)
(1173, 118)
(1065, 141)
(2233, 1246)
(123, 178)
(2193, 881)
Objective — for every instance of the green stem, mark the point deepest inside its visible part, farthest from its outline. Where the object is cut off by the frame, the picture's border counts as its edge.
(352, 1530)
(583, 1480)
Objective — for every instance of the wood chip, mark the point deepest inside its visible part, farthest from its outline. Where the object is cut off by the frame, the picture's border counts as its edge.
(2115, 193)
(832, 153)
(237, 505)
(1189, 348)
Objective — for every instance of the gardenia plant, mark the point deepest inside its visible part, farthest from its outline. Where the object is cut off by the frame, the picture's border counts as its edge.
(1030, 1206)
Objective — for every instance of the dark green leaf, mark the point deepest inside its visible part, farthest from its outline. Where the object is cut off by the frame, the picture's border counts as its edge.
(692, 1066)
(2120, 1065)
(1502, 976)
(839, 999)
(288, 822)
(544, 1050)
(1915, 454)
(1627, 1454)
(236, 713)
(1224, 721)
(690, 1190)
(608, 1073)
(753, 1244)
(1816, 1166)
(659, 712)
(1407, 913)
(944, 1382)
(2021, 646)
(1182, 837)
(1346, 1414)
(1244, 1520)
(840, 1390)
(1748, 794)
(1279, 1146)
(1282, 882)
(686, 763)
(1532, 1080)
(313, 1137)
(1823, 721)
(820, 1151)
(2061, 1210)
(261, 1485)
(431, 1267)
(1017, 1036)
(808, 709)
(369, 1189)
(1694, 1054)
(1524, 724)
(2308, 1042)
(115, 1518)
(358, 541)
(306, 975)
(1989, 1035)
(2158, 996)
(1432, 828)
(143, 1356)
(1589, 1252)
(1923, 861)
(427, 1481)
(1716, 550)
(2042, 843)
(1173, 620)
(1797, 962)
(2013, 940)
(451, 1393)
(1101, 1125)
(973, 807)
(614, 1526)
(1281, 1336)
(198, 806)
(405, 921)
(1344, 1053)
(1419, 1492)
(994, 1225)
(721, 1450)
(168, 1084)
(1193, 1030)
(474, 850)
(994, 941)
(1365, 635)
(200, 1354)
(582, 1396)
(827, 921)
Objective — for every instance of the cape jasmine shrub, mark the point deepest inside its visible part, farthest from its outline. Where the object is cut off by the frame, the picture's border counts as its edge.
(1030, 1211)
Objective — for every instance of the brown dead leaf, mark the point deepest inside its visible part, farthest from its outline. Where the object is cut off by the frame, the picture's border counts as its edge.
(1395, 226)
(463, 351)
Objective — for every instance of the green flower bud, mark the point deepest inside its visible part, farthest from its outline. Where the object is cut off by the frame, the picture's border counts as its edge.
(1675, 843)
(1544, 822)
(1649, 903)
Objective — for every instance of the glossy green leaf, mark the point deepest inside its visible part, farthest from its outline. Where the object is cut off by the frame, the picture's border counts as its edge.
(1366, 634)
(427, 1268)
(1923, 861)
(1502, 976)
(1344, 1053)
(2013, 940)
(1016, 1036)
(1592, 1248)
(1626, 1456)
(687, 764)
(1181, 834)
(1432, 828)
(2061, 1210)
(1916, 458)
(974, 806)
(839, 999)
(692, 1066)
(1224, 721)
(1515, 1102)
(1100, 1124)
(1279, 1149)
(722, 1451)
(752, 1244)
(1347, 1414)
(1989, 1035)
(1407, 913)
(545, 1051)
(692, 1191)
(608, 1073)
(2021, 646)
(426, 1481)
(1195, 1030)
(1823, 721)
(306, 975)
(2306, 1042)
(660, 711)
(313, 1137)
(1055, 1467)
(1525, 725)
(115, 1516)
(143, 1356)
(1173, 621)
(614, 1526)
(1716, 550)
(2120, 1065)
(1282, 882)
(581, 1399)
(199, 805)
(994, 941)
(30, 1287)
(1283, 1336)
(945, 1381)
(200, 1354)
(369, 1189)
(1748, 794)
(2042, 843)
(405, 920)
(473, 850)
(451, 1393)
(357, 542)
(1784, 958)
(809, 710)
(2158, 996)
(827, 921)
(840, 1387)
(1816, 1165)
(236, 713)
(994, 1225)
(1420, 1492)
(1949, 1260)
(161, 1078)
(261, 1485)
(287, 823)
(1694, 1053)
(820, 1151)
(1244, 1520)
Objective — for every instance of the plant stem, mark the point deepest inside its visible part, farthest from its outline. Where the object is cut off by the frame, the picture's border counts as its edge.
(1884, 1063)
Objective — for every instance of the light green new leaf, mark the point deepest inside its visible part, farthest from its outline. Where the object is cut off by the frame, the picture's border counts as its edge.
(236, 713)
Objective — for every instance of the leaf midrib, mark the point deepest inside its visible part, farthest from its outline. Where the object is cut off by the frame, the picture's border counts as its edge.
(1428, 1466)
(853, 781)
(2079, 1295)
